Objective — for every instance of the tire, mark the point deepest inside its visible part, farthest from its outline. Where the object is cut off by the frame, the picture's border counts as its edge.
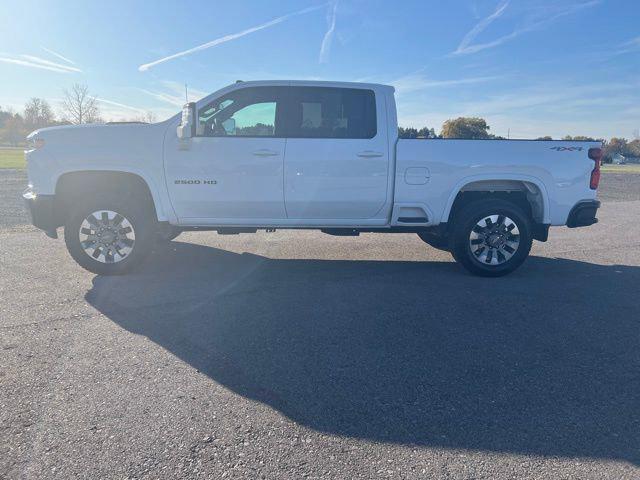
(491, 238)
(168, 234)
(435, 241)
(109, 236)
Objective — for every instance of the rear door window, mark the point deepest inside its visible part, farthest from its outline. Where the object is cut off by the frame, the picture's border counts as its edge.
(326, 112)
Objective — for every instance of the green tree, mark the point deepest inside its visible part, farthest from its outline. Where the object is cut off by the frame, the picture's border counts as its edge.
(426, 132)
(407, 132)
(13, 131)
(546, 137)
(579, 138)
(633, 148)
(466, 127)
(615, 146)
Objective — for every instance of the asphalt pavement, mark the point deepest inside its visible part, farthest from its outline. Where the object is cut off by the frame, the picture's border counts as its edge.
(301, 355)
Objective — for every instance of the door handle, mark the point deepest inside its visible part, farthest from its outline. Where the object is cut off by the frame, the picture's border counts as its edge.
(369, 154)
(266, 153)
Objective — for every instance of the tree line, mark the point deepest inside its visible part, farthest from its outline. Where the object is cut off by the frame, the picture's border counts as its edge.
(475, 128)
(77, 106)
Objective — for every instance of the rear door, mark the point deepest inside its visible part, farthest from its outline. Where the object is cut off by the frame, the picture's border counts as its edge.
(336, 160)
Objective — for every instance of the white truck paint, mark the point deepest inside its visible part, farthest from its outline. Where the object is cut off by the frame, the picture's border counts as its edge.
(201, 173)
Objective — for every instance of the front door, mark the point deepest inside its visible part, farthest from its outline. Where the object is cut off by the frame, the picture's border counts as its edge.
(337, 159)
(232, 170)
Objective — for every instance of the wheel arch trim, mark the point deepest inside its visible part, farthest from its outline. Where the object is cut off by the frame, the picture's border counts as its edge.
(162, 212)
(546, 215)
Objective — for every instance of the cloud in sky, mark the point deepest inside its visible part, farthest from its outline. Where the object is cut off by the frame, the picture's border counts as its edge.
(541, 19)
(228, 38)
(417, 82)
(325, 47)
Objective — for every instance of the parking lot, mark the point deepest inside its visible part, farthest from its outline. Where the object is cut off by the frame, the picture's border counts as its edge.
(300, 355)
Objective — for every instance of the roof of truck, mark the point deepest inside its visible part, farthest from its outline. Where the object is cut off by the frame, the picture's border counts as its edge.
(317, 83)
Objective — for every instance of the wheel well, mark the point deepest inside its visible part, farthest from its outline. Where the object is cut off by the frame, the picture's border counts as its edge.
(75, 186)
(526, 195)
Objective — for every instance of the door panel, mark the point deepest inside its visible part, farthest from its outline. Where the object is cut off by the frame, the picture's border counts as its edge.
(234, 168)
(226, 177)
(325, 178)
(337, 160)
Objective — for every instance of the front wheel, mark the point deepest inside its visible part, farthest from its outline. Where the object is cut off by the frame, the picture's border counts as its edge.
(108, 237)
(491, 238)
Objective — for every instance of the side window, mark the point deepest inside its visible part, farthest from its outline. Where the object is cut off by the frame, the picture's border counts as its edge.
(255, 120)
(248, 112)
(319, 112)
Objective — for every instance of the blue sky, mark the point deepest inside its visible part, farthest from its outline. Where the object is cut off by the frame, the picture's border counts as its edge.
(534, 67)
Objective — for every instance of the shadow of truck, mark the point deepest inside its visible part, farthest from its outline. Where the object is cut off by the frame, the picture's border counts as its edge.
(545, 361)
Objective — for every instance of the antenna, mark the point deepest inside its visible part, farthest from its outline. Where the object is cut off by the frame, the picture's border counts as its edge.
(186, 94)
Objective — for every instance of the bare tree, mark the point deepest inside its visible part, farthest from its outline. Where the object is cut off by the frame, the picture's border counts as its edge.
(150, 117)
(79, 106)
(37, 114)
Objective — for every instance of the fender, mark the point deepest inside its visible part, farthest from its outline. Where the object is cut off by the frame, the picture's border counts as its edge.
(163, 212)
(546, 216)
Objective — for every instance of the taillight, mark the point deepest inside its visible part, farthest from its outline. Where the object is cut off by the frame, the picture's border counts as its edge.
(595, 154)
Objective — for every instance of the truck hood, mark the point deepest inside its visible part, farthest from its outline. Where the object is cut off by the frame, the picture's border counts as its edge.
(89, 132)
(98, 146)
(101, 139)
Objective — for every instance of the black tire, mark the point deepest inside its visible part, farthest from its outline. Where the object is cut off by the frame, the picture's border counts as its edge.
(168, 234)
(436, 241)
(139, 219)
(491, 240)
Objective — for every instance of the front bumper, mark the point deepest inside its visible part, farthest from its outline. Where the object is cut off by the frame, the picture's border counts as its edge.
(583, 214)
(41, 211)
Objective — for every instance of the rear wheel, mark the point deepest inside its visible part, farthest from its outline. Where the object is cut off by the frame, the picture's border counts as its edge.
(108, 237)
(491, 238)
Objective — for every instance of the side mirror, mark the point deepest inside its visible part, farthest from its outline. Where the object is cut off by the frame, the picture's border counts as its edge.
(229, 126)
(187, 127)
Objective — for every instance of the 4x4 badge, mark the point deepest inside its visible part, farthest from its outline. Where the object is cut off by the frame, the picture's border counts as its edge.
(567, 149)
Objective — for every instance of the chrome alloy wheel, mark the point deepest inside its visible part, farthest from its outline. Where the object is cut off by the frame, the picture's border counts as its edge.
(494, 239)
(107, 236)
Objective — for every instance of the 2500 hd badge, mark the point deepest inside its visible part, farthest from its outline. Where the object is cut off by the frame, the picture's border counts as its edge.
(195, 182)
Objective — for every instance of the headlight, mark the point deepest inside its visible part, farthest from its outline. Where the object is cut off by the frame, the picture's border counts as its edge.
(35, 142)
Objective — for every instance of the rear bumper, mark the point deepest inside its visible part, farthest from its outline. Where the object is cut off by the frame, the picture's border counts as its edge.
(583, 214)
(40, 208)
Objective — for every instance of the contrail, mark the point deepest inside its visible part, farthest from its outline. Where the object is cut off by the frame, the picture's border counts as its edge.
(122, 105)
(35, 59)
(480, 26)
(55, 54)
(325, 47)
(26, 63)
(228, 38)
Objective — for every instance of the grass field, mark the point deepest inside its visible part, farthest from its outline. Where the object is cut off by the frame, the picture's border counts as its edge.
(632, 168)
(12, 158)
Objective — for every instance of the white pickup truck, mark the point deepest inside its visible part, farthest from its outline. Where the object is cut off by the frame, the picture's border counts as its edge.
(312, 155)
